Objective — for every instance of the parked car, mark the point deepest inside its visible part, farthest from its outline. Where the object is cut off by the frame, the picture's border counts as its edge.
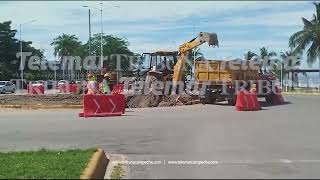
(38, 83)
(7, 86)
(62, 82)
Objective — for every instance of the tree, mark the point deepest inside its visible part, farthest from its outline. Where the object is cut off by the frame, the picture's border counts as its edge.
(112, 46)
(9, 47)
(308, 38)
(194, 54)
(66, 45)
(285, 56)
(266, 55)
(249, 55)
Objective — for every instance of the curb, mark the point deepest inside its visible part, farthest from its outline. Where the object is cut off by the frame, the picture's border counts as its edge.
(96, 168)
(301, 93)
(41, 106)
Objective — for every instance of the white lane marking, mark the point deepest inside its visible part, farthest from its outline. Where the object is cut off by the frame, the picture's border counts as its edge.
(287, 161)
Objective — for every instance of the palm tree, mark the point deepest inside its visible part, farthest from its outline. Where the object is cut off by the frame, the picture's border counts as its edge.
(194, 54)
(66, 45)
(285, 56)
(249, 55)
(265, 54)
(308, 37)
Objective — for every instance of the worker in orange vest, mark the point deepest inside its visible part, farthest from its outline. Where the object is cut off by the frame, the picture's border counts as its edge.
(92, 85)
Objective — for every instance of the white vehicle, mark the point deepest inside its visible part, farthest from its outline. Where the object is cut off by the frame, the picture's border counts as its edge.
(38, 83)
(62, 82)
(7, 86)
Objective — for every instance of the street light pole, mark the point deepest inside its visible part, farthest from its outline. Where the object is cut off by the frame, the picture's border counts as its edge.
(21, 60)
(21, 65)
(101, 44)
(89, 33)
(101, 32)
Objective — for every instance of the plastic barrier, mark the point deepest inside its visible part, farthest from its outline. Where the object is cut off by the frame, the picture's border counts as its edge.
(35, 89)
(117, 89)
(247, 101)
(103, 105)
(277, 98)
(69, 88)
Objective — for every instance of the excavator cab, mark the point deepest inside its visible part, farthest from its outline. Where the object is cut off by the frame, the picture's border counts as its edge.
(159, 63)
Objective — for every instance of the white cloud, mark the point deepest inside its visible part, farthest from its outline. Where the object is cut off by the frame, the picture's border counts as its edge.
(273, 19)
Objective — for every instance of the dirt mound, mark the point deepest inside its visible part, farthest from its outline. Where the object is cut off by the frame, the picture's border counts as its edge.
(143, 101)
(52, 99)
(139, 101)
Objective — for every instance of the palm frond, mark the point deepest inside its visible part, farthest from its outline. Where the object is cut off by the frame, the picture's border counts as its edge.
(312, 53)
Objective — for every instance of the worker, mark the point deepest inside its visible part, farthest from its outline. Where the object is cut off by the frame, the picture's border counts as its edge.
(92, 85)
(105, 89)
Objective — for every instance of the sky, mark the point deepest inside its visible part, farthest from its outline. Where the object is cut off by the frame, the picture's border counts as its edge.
(164, 25)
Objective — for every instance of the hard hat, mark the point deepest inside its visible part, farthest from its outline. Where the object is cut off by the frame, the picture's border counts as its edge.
(106, 75)
(90, 76)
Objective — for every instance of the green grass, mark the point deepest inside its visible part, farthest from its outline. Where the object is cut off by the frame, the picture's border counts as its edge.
(44, 164)
(117, 172)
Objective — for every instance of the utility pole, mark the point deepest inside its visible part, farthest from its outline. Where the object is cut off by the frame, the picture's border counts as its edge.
(21, 61)
(101, 32)
(89, 33)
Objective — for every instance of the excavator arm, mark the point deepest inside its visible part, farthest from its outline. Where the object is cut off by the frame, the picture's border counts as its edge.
(203, 37)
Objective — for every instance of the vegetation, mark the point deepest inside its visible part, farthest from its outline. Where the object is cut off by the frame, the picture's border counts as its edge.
(69, 45)
(117, 172)
(308, 38)
(111, 45)
(9, 47)
(44, 164)
(194, 54)
(249, 55)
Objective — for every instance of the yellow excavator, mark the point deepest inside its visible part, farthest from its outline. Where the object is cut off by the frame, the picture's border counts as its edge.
(184, 49)
(179, 67)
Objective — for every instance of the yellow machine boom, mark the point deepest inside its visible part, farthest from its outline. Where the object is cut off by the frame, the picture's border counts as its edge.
(203, 37)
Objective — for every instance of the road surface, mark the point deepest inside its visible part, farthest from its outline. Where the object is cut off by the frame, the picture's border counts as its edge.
(276, 142)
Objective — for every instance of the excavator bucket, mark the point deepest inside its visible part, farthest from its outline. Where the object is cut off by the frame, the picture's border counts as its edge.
(211, 38)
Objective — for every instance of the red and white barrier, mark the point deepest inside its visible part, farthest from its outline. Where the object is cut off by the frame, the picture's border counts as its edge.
(117, 89)
(69, 88)
(32, 90)
(247, 101)
(102, 105)
(277, 98)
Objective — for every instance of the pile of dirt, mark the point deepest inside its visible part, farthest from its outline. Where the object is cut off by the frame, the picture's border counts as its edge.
(138, 101)
(52, 99)
(143, 101)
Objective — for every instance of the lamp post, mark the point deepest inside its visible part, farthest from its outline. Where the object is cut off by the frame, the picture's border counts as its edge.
(89, 15)
(21, 61)
(101, 30)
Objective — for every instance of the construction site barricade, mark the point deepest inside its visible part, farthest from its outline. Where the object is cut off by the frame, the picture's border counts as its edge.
(102, 105)
(247, 101)
(32, 90)
(117, 89)
(277, 98)
(69, 88)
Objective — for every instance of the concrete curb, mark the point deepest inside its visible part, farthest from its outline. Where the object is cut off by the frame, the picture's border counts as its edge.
(301, 93)
(96, 167)
(41, 106)
(114, 158)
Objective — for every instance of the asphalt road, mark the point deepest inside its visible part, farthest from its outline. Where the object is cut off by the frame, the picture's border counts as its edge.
(276, 142)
